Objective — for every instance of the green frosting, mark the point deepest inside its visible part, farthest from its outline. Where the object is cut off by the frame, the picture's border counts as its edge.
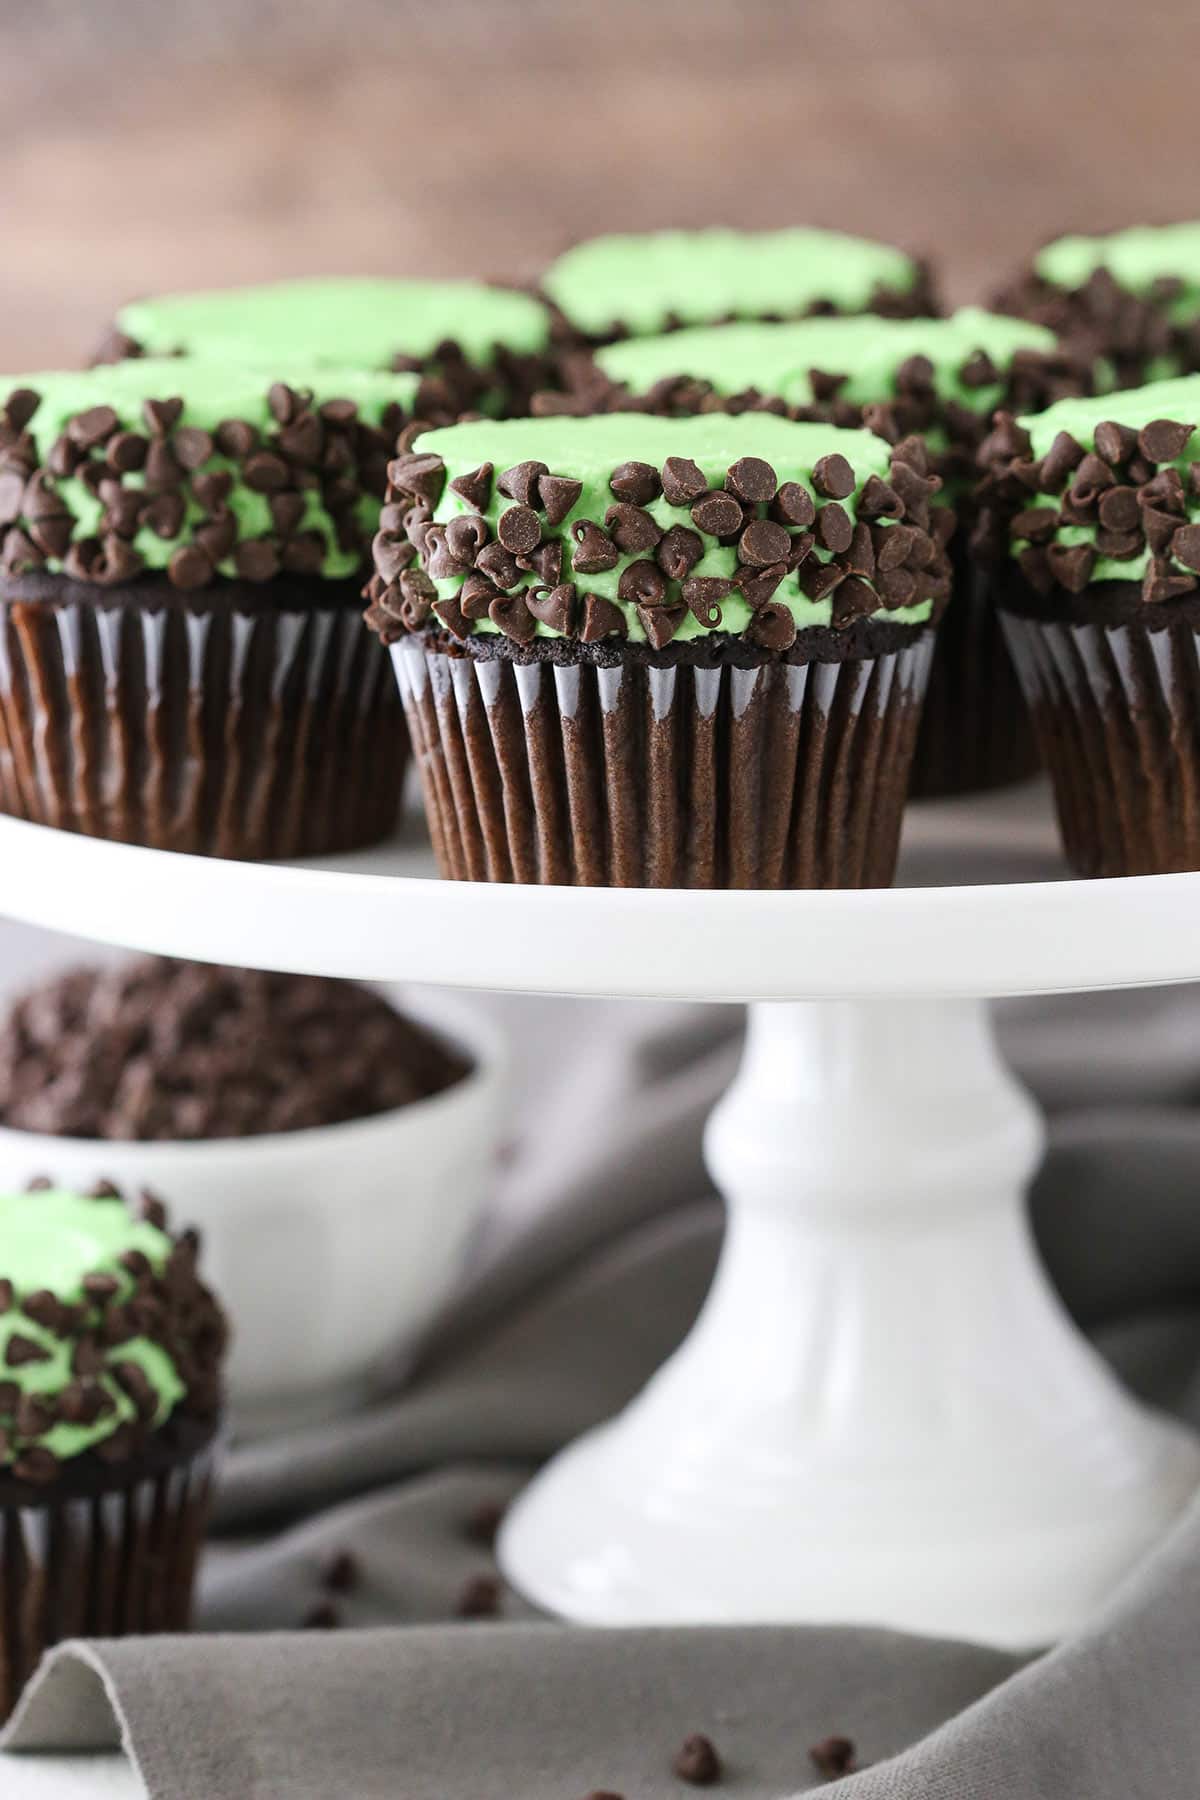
(589, 449)
(1177, 399)
(357, 322)
(212, 393)
(636, 282)
(1135, 258)
(49, 1241)
(779, 359)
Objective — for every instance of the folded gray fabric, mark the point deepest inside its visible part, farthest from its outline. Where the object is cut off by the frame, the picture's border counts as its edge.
(598, 1255)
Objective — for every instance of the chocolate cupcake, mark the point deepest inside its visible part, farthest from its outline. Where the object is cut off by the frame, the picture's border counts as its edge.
(1093, 507)
(648, 282)
(942, 378)
(182, 549)
(109, 1398)
(475, 347)
(1133, 296)
(662, 652)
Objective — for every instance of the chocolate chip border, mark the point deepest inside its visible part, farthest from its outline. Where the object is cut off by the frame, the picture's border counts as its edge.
(172, 1309)
(776, 527)
(1102, 318)
(1128, 489)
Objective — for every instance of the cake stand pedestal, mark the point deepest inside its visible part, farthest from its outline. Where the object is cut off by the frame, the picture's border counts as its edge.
(883, 1413)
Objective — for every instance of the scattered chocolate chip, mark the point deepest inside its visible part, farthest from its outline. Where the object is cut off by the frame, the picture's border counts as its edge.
(190, 567)
(696, 1761)
(853, 598)
(282, 401)
(660, 623)
(303, 442)
(896, 587)
(632, 529)
(451, 615)
(236, 438)
(1163, 440)
(594, 552)
(642, 583)
(45, 1309)
(751, 479)
(1063, 456)
(513, 617)
(475, 487)
(21, 1350)
(1118, 509)
(1039, 523)
(834, 1757)
(637, 482)
(682, 481)
(554, 606)
(192, 446)
(1116, 443)
(324, 1616)
(20, 407)
(600, 618)
(1158, 528)
(877, 500)
(500, 566)
(702, 594)
(763, 543)
(92, 427)
(757, 586)
(341, 1572)
(557, 494)
(264, 472)
(1162, 582)
(1185, 546)
(834, 528)
(421, 476)
(720, 515)
(257, 559)
(833, 477)
(479, 1599)
(773, 627)
(520, 482)
(164, 515)
(1071, 565)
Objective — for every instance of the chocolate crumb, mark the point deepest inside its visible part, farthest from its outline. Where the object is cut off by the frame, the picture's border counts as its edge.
(697, 1762)
(834, 1757)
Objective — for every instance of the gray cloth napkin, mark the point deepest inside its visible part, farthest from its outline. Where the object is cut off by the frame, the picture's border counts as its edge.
(594, 1262)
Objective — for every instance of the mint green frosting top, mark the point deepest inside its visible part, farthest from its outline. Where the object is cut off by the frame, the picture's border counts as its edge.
(589, 449)
(1136, 258)
(635, 282)
(214, 392)
(49, 1241)
(1177, 399)
(779, 359)
(353, 321)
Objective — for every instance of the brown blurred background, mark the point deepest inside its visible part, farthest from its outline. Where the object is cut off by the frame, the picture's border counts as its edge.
(169, 143)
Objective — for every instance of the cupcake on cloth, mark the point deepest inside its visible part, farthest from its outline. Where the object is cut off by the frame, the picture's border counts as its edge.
(182, 550)
(1094, 507)
(942, 378)
(475, 347)
(643, 283)
(1133, 296)
(110, 1355)
(662, 652)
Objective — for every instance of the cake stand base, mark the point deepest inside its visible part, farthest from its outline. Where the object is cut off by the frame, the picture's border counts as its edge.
(883, 1414)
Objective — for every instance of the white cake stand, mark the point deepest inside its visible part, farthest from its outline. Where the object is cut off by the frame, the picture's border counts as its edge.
(883, 1413)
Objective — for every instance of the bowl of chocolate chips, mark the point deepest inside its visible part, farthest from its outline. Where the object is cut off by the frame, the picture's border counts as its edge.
(332, 1150)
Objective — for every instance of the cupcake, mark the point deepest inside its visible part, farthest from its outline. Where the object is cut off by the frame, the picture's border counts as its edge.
(109, 1398)
(182, 549)
(662, 652)
(1133, 296)
(476, 348)
(1093, 506)
(942, 378)
(648, 282)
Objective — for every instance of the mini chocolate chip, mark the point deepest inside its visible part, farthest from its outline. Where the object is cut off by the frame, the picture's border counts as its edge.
(500, 567)
(324, 1616)
(339, 413)
(100, 1287)
(554, 606)
(1185, 546)
(834, 527)
(164, 515)
(678, 551)
(451, 615)
(519, 530)
(190, 566)
(1116, 443)
(92, 426)
(860, 558)
(341, 1572)
(833, 477)
(763, 543)
(682, 481)
(1119, 545)
(642, 584)
(161, 415)
(1071, 565)
(853, 598)
(126, 451)
(751, 479)
(192, 446)
(37, 1465)
(34, 1416)
(303, 554)
(1039, 523)
(660, 623)
(557, 494)
(793, 505)
(696, 1761)
(702, 594)
(817, 579)
(236, 438)
(1162, 582)
(213, 488)
(421, 476)
(1159, 527)
(1161, 441)
(913, 375)
(637, 482)
(20, 407)
(600, 619)
(476, 486)
(52, 536)
(718, 514)
(479, 1599)
(547, 562)
(264, 472)
(217, 536)
(594, 551)
(150, 1207)
(834, 1757)
(773, 627)
(520, 482)
(21, 1350)
(465, 537)
(257, 559)
(1118, 508)
(87, 1358)
(824, 384)
(878, 500)
(303, 441)
(514, 618)
(896, 587)
(978, 371)
(631, 529)
(45, 1309)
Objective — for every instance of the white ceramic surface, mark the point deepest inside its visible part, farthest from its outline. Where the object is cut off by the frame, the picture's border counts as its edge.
(1010, 924)
(883, 1414)
(328, 1247)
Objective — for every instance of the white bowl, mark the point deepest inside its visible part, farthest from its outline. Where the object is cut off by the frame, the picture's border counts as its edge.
(327, 1247)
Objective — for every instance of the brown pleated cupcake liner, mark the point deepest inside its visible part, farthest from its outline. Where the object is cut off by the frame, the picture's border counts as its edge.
(781, 775)
(272, 734)
(975, 730)
(109, 1564)
(1116, 709)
